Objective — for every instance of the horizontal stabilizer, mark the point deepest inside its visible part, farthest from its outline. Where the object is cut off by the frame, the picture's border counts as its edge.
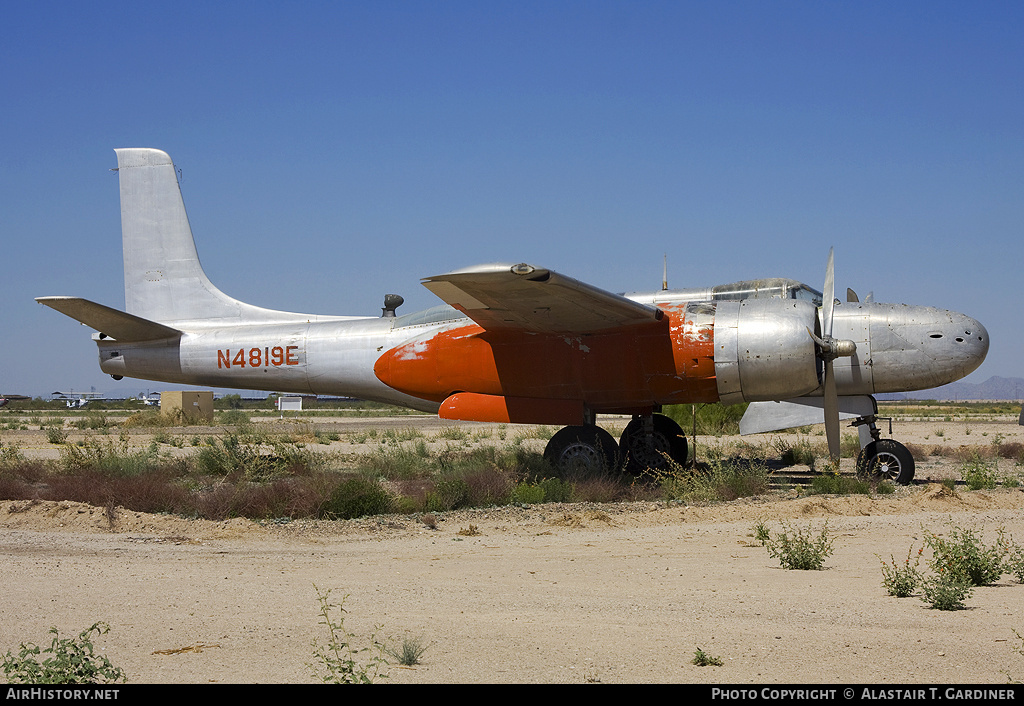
(801, 411)
(109, 322)
(533, 299)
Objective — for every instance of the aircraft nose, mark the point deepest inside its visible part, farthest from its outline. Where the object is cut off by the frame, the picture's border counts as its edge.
(973, 338)
(918, 348)
(959, 339)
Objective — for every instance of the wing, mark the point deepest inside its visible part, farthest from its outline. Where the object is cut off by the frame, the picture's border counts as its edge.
(111, 322)
(533, 299)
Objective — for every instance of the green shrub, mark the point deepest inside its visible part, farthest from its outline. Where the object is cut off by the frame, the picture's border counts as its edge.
(963, 556)
(800, 550)
(835, 484)
(978, 474)
(946, 591)
(712, 419)
(71, 661)
(233, 416)
(548, 490)
(902, 579)
(448, 494)
(339, 662)
(356, 496)
(110, 457)
(56, 435)
(1015, 561)
(409, 652)
(723, 479)
(703, 659)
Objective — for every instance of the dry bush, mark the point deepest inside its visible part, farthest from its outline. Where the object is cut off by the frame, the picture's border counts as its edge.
(1013, 450)
(973, 453)
(917, 451)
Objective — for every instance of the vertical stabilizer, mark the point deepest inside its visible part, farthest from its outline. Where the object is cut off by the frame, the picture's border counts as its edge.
(163, 280)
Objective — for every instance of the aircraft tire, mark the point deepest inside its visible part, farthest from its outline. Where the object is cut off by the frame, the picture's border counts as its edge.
(886, 459)
(640, 453)
(583, 450)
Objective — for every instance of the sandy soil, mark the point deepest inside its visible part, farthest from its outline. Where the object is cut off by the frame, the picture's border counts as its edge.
(548, 593)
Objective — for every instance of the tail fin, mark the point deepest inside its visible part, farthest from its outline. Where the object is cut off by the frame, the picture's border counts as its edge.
(163, 280)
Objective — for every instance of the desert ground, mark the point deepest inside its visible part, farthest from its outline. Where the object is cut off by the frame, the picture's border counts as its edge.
(559, 593)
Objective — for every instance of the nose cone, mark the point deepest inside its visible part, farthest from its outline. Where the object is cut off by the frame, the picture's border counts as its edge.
(918, 348)
(974, 343)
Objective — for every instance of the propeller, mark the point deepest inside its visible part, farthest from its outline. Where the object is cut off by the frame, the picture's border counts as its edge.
(829, 349)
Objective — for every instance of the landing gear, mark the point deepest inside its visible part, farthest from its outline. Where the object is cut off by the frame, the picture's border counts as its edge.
(586, 449)
(589, 449)
(647, 440)
(885, 459)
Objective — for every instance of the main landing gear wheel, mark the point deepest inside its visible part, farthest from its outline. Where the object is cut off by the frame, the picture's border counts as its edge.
(644, 448)
(583, 450)
(886, 459)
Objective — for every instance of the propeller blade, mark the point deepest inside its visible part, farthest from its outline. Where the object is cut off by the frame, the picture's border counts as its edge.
(828, 299)
(831, 412)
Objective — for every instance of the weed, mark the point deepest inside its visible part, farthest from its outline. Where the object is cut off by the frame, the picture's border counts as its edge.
(800, 453)
(454, 433)
(409, 652)
(978, 474)
(356, 496)
(946, 591)
(1014, 563)
(233, 416)
(113, 458)
(901, 580)
(835, 484)
(56, 435)
(711, 420)
(548, 490)
(719, 480)
(801, 550)
(71, 661)
(761, 533)
(962, 556)
(92, 420)
(339, 662)
(703, 659)
(10, 455)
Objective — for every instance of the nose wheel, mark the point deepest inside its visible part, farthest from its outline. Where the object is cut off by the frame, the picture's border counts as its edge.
(885, 459)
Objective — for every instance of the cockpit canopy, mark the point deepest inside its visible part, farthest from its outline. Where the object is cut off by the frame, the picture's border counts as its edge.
(767, 288)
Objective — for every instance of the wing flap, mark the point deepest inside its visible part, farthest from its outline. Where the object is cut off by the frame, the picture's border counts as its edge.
(533, 299)
(114, 323)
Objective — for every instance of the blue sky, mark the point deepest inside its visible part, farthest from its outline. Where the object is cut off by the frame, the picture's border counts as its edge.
(333, 152)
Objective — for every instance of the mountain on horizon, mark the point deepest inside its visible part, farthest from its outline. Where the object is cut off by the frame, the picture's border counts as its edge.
(995, 388)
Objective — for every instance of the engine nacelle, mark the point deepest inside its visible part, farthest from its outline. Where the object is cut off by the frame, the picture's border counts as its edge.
(763, 351)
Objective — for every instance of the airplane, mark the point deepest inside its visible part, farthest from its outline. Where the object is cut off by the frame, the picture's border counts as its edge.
(78, 399)
(7, 399)
(518, 343)
(150, 399)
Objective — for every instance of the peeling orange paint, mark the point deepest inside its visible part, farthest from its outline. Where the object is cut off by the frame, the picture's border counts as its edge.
(630, 370)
